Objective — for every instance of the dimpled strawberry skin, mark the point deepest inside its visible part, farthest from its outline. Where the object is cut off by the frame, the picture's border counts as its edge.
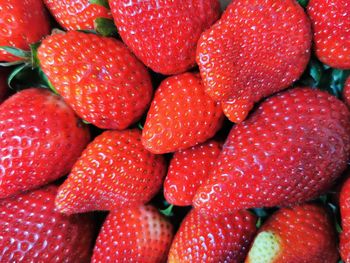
(181, 115)
(32, 231)
(22, 22)
(134, 235)
(211, 239)
(98, 77)
(346, 92)
(290, 150)
(344, 203)
(163, 34)
(75, 15)
(306, 234)
(187, 171)
(257, 48)
(40, 139)
(331, 26)
(114, 171)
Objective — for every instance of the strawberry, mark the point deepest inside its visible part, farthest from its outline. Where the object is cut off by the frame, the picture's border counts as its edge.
(187, 171)
(22, 23)
(98, 77)
(181, 115)
(74, 15)
(331, 26)
(32, 231)
(290, 150)
(138, 234)
(299, 234)
(211, 239)
(344, 203)
(3, 86)
(40, 139)
(163, 34)
(114, 171)
(257, 48)
(346, 92)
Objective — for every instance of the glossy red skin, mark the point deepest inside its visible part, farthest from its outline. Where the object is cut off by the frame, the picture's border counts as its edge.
(98, 77)
(344, 203)
(290, 150)
(134, 235)
(187, 171)
(3, 86)
(238, 58)
(346, 92)
(114, 171)
(331, 26)
(40, 140)
(32, 231)
(163, 34)
(76, 15)
(211, 239)
(22, 22)
(181, 115)
(306, 234)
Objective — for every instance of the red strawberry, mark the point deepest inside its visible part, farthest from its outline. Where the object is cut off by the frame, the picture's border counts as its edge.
(290, 150)
(133, 235)
(181, 115)
(187, 171)
(163, 34)
(74, 15)
(299, 234)
(346, 92)
(21, 23)
(114, 171)
(32, 231)
(40, 139)
(331, 25)
(344, 203)
(98, 77)
(211, 239)
(3, 86)
(257, 48)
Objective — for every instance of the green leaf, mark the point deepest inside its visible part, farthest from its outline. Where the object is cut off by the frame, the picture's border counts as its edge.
(103, 3)
(337, 81)
(260, 212)
(139, 125)
(85, 122)
(168, 211)
(105, 26)
(10, 64)
(34, 54)
(303, 3)
(14, 73)
(16, 52)
(259, 222)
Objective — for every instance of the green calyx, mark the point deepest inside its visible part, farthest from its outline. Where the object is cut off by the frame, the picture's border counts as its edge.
(103, 3)
(27, 64)
(105, 27)
(168, 211)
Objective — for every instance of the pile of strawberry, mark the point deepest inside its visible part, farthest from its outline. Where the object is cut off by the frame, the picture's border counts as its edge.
(188, 133)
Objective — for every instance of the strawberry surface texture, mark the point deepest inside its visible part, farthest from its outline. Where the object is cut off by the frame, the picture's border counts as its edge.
(179, 131)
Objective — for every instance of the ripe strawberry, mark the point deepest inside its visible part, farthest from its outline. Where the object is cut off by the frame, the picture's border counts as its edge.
(138, 234)
(290, 150)
(211, 239)
(40, 139)
(344, 203)
(346, 92)
(187, 171)
(114, 171)
(3, 86)
(75, 15)
(331, 26)
(163, 34)
(32, 231)
(181, 115)
(21, 23)
(257, 48)
(98, 77)
(298, 234)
